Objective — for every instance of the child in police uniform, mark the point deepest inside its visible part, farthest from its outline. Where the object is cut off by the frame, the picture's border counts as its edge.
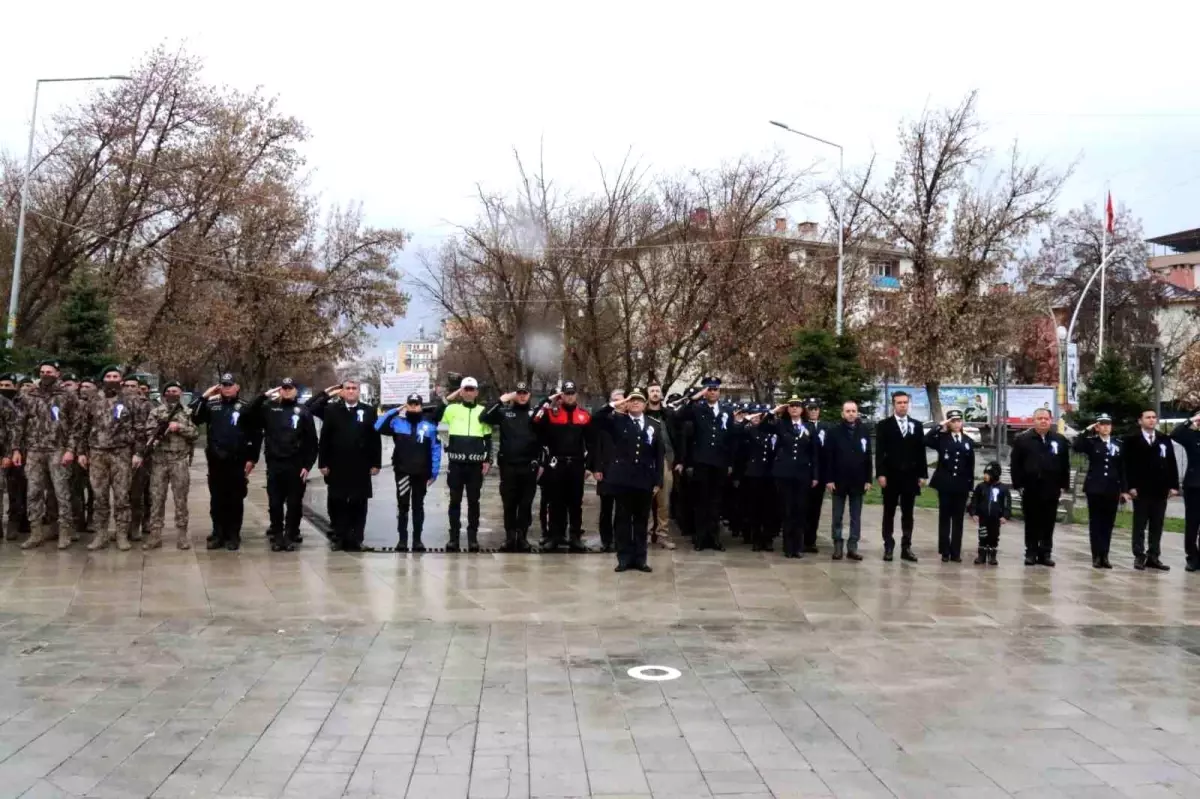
(991, 502)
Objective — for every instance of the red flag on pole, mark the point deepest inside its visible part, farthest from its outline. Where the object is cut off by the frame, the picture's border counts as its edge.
(1108, 214)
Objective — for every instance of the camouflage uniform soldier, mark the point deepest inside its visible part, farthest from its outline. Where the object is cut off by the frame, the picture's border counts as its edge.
(10, 418)
(77, 512)
(14, 478)
(46, 442)
(170, 434)
(139, 482)
(112, 426)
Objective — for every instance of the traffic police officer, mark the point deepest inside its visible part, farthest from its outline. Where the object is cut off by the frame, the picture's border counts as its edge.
(953, 479)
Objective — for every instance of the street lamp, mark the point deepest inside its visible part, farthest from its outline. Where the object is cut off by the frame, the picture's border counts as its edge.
(1061, 333)
(841, 210)
(15, 294)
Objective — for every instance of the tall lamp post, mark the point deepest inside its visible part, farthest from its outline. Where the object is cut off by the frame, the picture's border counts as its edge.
(1061, 332)
(15, 295)
(841, 210)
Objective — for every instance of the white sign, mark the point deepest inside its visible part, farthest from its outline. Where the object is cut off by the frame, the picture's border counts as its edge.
(395, 388)
(1022, 401)
(1072, 374)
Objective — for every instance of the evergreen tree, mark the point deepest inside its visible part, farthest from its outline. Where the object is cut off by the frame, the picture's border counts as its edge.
(828, 367)
(1115, 390)
(85, 340)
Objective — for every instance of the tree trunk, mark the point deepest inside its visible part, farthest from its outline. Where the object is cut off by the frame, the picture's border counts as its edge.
(932, 388)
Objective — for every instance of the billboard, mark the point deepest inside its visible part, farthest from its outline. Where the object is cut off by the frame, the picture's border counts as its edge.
(1024, 400)
(975, 402)
(1072, 374)
(395, 388)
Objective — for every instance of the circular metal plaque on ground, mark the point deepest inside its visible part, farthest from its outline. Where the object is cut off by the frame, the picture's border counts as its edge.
(654, 673)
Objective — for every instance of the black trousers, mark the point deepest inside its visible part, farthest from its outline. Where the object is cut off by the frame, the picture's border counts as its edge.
(17, 488)
(348, 517)
(544, 509)
(564, 484)
(793, 498)
(608, 510)
(706, 488)
(285, 495)
(1191, 524)
(684, 515)
(226, 495)
(518, 484)
(989, 533)
(1041, 514)
(951, 507)
(816, 496)
(410, 492)
(1102, 515)
(761, 510)
(1148, 512)
(904, 498)
(631, 526)
(466, 475)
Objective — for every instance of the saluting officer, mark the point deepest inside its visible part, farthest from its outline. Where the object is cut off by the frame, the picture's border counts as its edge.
(635, 471)
(816, 494)
(709, 460)
(231, 453)
(953, 479)
(753, 455)
(1105, 485)
(520, 463)
(795, 469)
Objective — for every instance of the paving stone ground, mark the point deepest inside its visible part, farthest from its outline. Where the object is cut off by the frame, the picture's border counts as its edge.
(318, 674)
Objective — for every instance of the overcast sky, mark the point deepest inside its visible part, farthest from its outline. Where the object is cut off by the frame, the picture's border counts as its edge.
(411, 105)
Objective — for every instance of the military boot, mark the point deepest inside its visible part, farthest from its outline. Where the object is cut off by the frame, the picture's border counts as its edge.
(66, 535)
(182, 541)
(981, 558)
(122, 540)
(99, 541)
(152, 541)
(37, 534)
(992, 557)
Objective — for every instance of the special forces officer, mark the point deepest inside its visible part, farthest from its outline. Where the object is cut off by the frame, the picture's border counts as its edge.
(230, 453)
(46, 444)
(171, 435)
(110, 449)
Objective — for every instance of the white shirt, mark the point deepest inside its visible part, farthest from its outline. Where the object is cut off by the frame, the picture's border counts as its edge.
(351, 407)
(1149, 436)
(716, 408)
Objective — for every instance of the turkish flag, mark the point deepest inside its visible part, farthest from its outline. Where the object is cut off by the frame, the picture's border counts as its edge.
(1108, 214)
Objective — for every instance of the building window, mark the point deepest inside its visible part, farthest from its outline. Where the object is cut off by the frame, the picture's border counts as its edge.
(885, 269)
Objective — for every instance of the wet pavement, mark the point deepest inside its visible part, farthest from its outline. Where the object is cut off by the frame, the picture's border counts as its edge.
(318, 674)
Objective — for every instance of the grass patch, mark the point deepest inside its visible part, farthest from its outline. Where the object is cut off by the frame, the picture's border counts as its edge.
(928, 499)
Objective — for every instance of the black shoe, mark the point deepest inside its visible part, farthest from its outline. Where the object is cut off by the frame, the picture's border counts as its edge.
(232, 545)
(1139, 562)
(352, 548)
(767, 547)
(608, 548)
(276, 546)
(473, 546)
(402, 546)
(1097, 563)
(1046, 560)
(621, 567)
(1157, 565)
(1191, 566)
(981, 558)
(698, 547)
(811, 549)
(1030, 560)
(212, 542)
(335, 545)
(418, 548)
(755, 548)
(576, 546)
(852, 554)
(945, 558)
(644, 568)
(956, 558)
(296, 538)
(906, 554)
(1104, 564)
(719, 547)
(887, 555)
(838, 550)
(452, 545)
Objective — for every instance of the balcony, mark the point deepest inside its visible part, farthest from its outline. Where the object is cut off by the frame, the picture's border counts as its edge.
(885, 282)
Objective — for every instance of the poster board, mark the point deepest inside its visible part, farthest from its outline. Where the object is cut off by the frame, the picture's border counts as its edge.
(1024, 400)
(975, 402)
(395, 388)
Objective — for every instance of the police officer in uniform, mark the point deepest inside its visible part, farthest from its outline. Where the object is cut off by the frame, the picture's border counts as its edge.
(566, 433)
(290, 444)
(520, 463)
(1105, 485)
(752, 457)
(816, 495)
(416, 462)
(635, 471)
(601, 456)
(709, 460)
(230, 452)
(953, 479)
(795, 469)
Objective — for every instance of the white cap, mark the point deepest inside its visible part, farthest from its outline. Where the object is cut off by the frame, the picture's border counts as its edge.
(469, 382)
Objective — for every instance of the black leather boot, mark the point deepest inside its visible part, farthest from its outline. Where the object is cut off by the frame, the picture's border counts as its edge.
(838, 550)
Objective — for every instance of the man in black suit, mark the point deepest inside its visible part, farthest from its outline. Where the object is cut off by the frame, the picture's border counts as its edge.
(635, 474)
(1040, 464)
(846, 469)
(709, 460)
(1153, 476)
(902, 469)
(601, 456)
(349, 455)
(1188, 436)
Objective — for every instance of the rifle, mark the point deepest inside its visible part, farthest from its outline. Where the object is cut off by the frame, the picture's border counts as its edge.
(161, 430)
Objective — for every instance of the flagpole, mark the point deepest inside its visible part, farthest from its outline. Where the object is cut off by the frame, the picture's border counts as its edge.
(1103, 271)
